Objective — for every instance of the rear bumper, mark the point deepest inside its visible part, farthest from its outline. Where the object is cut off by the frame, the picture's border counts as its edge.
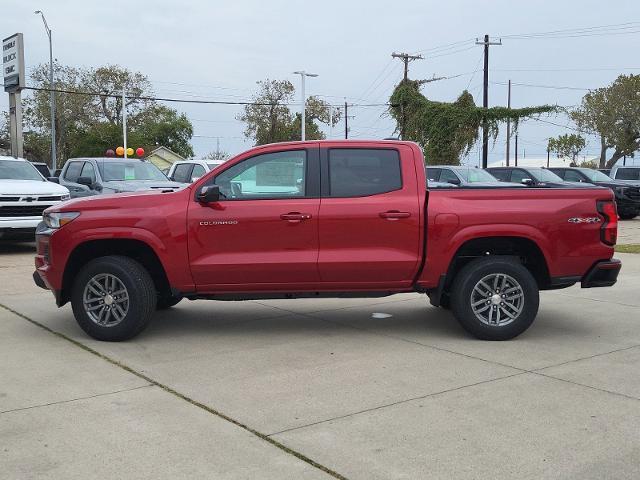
(603, 274)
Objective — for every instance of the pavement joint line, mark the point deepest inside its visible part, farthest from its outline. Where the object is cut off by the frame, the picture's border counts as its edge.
(76, 399)
(331, 309)
(584, 385)
(195, 403)
(538, 370)
(400, 402)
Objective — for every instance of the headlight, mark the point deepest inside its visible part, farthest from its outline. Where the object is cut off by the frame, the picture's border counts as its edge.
(64, 197)
(58, 219)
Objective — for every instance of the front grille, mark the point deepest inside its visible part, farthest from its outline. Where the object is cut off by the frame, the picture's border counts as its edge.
(23, 210)
(55, 198)
(633, 193)
(9, 199)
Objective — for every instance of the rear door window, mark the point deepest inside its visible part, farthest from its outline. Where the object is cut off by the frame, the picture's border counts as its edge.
(182, 173)
(433, 174)
(628, 174)
(73, 171)
(355, 172)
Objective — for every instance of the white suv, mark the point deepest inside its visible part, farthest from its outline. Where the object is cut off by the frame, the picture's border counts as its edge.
(24, 195)
(188, 171)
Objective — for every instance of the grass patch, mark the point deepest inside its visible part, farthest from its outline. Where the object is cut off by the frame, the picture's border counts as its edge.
(630, 248)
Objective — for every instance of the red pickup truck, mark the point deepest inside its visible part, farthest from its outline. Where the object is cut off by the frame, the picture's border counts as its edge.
(329, 218)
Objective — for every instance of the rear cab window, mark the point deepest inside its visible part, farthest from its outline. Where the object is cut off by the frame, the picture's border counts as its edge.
(359, 172)
(628, 174)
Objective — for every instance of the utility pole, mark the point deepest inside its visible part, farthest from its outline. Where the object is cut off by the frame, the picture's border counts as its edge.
(124, 121)
(406, 58)
(485, 98)
(516, 148)
(52, 95)
(508, 123)
(346, 119)
(548, 151)
(303, 119)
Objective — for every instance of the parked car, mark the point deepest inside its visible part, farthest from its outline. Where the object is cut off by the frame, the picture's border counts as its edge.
(94, 176)
(627, 196)
(325, 218)
(24, 195)
(626, 174)
(532, 177)
(464, 176)
(43, 169)
(189, 171)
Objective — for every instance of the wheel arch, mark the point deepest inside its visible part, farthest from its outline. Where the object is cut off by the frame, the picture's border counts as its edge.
(138, 250)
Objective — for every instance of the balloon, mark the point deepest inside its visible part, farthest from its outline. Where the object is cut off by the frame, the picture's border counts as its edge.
(120, 151)
(139, 151)
(129, 152)
(110, 153)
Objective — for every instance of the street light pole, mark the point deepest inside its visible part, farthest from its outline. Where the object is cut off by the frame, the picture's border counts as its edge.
(52, 95)
(303, 121)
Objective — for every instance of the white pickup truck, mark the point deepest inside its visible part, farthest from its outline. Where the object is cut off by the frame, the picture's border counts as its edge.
(24, 195)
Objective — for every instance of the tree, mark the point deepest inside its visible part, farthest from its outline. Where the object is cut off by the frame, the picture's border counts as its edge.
(89, 121)
(268, 119)
(613, 113)
(448, 131)
(567, 146)
(217, 155)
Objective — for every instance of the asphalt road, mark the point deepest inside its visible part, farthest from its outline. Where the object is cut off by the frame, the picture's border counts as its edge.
(320, 389)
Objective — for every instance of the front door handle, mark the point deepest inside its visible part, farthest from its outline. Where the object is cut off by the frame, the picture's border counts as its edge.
(295, 217)
(394, 215)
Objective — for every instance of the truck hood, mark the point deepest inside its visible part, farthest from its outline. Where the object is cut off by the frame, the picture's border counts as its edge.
(138, 185)
(30, 187)
(113, 200)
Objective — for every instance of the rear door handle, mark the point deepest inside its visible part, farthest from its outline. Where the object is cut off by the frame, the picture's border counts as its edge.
(295, 217)
(394, 215)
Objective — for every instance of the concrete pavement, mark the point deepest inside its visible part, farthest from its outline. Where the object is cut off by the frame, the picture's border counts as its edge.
(208, 387)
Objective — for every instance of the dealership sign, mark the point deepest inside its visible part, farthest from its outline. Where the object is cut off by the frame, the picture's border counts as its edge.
(13, 63)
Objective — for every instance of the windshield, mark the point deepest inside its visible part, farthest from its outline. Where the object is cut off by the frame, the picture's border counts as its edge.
(18, 170)
(475, 175)
(595, 176)
(544, 175)
(628, 174)
(134, 170)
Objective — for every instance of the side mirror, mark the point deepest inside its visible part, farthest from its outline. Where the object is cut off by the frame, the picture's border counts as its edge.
(53, 179)
(209, 194)
(454, 181)
(86, 181)
(526, 181)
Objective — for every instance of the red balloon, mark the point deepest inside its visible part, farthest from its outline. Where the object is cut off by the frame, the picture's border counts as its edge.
(139, 151)
(110, 153)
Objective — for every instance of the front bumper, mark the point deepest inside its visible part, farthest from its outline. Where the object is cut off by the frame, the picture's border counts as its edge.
(603, 274)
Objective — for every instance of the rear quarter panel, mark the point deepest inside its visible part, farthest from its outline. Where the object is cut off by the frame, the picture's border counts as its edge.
(455, 216)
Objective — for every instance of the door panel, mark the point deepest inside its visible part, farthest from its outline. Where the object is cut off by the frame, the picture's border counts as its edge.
(373, 239)
(264, 234)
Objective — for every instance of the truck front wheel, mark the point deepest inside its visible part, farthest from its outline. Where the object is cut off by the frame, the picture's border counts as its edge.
(113, 298)
(495, 298)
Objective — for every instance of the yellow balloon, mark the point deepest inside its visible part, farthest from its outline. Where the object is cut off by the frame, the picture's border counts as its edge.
(120, 151)
(129, 152)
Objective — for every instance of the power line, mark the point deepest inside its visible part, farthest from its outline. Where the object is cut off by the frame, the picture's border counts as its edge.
(611, 29)
(553, 87)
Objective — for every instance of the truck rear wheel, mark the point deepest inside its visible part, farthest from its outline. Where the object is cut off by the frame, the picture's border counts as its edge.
(113, 298)
(495, 298)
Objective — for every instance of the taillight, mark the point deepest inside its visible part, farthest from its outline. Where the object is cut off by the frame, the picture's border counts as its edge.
(609, 228)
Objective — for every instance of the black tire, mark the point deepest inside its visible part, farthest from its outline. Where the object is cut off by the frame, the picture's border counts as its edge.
(628, 216)
(141, 295)
(167, 301)
(464, 292)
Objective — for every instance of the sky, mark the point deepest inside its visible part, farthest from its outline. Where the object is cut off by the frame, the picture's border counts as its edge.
(218, 50)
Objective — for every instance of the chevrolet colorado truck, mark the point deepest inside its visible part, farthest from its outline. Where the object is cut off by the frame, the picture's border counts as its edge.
(325, 219)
